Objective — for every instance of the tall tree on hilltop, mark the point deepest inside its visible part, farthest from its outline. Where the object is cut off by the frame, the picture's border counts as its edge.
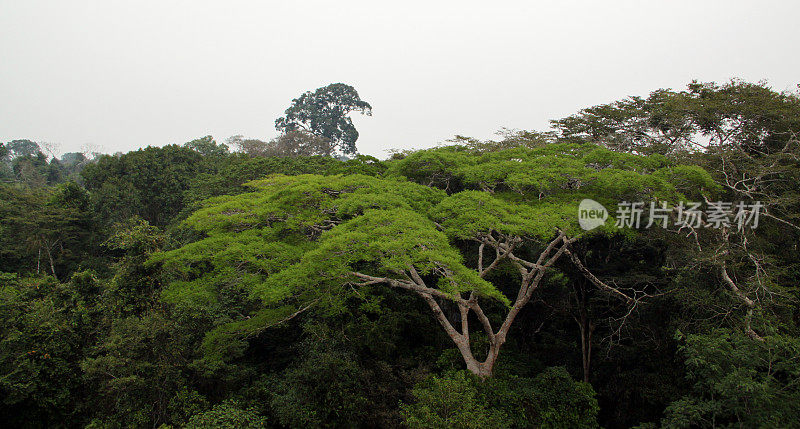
(324, 112)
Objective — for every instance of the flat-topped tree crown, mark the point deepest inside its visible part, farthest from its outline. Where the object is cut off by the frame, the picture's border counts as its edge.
(295, 241)
(554, 171)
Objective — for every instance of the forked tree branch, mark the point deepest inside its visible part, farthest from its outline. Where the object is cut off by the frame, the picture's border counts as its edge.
(413, 286)
(531, 273)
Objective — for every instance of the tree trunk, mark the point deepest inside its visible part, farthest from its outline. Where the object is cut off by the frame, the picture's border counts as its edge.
(50, 257)
(482, 369)
(586, 329)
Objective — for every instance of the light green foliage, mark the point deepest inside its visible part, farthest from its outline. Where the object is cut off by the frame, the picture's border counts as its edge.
(295, 240)
(249, 257)
(469, 213)
(433, 167)
(389, 241)
(6, 173)
(255, 235)
(552, 171)
(530, 191)
(691, 180)
(299, 202)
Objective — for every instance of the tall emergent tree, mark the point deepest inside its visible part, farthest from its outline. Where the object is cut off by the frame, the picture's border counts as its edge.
(324, 113)
(297, 242)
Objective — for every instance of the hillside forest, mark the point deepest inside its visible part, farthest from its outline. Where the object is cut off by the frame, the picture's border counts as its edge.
(295, 283)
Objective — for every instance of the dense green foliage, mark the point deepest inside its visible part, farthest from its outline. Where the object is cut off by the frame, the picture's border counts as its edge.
(459, 400)
(191, 286)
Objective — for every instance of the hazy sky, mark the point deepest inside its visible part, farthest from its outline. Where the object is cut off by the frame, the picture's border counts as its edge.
(119, 75)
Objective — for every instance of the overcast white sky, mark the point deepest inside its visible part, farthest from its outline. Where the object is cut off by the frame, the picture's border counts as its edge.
(119, 75)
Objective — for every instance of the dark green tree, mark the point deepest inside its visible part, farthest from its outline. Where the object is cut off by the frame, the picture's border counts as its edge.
(44, 230)
(738, 382)
(324, 112)
(45, 327)
(149, 183)
(23, 148)
(458, 399)
(207, 146)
